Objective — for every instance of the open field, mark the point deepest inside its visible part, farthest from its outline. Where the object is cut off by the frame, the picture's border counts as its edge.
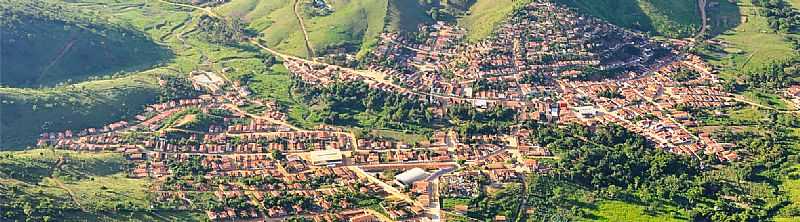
(622, 211)
(407, 137)
(743, 54)
(767, 99)
(484, 15)
(795, 3)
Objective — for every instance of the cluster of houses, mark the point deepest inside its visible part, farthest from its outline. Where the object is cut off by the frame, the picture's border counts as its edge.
(533, 64)
(654, 106)
(541, 42)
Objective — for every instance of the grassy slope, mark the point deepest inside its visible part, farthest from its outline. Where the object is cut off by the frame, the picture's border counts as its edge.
(354, 23)
(41, 50)
(28, 112)
(95, 179)
(404, 16)
(677, 18)
(484, 15)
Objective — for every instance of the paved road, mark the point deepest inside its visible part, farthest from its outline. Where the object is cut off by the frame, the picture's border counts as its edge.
(388, 188)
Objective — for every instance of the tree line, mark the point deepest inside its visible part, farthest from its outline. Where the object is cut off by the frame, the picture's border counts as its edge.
(781, 16)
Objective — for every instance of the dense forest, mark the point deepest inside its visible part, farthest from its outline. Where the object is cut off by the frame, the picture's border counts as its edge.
(610, 162)
(176, 87)
(341, 102)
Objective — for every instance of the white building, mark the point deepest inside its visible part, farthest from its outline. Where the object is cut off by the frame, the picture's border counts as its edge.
(408, 178)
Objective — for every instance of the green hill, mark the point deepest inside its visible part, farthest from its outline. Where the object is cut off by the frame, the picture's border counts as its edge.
(355, 25)
(28, 112)
(674, 18)
(46, 43)
(348, 25)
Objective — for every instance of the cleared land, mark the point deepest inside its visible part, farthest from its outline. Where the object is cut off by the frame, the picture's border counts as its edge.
(622, 211)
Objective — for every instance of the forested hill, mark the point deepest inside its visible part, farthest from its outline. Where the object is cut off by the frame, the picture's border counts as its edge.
(45, 43)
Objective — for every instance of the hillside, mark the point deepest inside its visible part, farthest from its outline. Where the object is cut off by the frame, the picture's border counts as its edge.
(46, 43)
(28, 112)
(41, 184)
(355, 25)
(676, 18)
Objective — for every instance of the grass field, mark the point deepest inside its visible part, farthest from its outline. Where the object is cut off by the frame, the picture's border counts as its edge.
(105, 192)
(748, 114)
(409, 137)
(794, 3)
(450, 203)
(273, 84)
(744, 54)
(767, 99)
(484, 15)
(621, 211)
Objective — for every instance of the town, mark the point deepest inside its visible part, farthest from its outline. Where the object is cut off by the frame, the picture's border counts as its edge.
(240, 157)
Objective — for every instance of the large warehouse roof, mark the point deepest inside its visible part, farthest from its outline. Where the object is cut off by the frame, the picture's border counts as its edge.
(411, 176)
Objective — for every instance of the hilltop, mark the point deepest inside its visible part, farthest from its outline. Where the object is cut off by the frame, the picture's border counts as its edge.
(354, 25)
(46, 43)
